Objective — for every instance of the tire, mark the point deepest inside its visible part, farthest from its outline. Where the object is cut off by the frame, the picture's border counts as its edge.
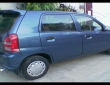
(34, 67)
(108, 51)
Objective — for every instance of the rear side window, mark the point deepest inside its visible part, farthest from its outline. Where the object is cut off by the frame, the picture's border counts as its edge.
(57, 22)
(6, 21)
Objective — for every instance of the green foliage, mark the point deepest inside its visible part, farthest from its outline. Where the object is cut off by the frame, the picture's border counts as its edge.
(46, 6)
(67, 8)
(38, 6)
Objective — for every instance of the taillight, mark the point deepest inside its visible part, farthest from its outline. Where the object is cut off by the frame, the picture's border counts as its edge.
(11, 43)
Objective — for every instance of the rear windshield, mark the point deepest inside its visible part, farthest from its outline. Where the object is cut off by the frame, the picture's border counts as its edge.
(6, 21)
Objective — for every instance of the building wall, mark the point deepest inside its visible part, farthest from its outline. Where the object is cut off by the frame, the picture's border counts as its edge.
(101, 12)
(8, 5)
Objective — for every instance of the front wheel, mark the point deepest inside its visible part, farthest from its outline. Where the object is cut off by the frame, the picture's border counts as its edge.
(34, 67)
(108, 52)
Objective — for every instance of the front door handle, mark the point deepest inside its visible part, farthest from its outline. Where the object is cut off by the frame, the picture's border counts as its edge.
(88, 36)
(50, 39)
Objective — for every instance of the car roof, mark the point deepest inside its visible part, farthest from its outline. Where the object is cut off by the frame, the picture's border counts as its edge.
(22, 12)
(41, 11)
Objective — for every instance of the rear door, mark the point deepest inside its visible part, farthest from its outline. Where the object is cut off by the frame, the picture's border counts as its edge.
(59, 36)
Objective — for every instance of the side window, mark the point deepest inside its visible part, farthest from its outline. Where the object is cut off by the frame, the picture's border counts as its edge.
(57, 23)
(88, 24)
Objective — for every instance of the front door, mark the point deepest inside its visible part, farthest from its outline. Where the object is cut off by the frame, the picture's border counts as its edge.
(95, 39)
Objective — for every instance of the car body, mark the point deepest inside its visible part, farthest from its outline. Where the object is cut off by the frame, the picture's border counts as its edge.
(31, 40)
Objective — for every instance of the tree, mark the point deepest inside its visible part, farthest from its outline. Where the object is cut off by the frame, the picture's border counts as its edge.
(69, 8)
(47, 6)
(38, 6)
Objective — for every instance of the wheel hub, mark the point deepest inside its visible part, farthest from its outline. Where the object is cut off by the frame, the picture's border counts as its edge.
(36, 68)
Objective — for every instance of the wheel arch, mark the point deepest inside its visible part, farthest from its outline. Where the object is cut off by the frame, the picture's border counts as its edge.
(47, 56)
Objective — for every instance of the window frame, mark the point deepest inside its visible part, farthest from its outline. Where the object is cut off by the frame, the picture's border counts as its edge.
(40, 25)
(95, 20)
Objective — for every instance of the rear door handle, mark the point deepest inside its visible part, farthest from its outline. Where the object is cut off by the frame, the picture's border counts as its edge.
(88, 36)
(50, 39)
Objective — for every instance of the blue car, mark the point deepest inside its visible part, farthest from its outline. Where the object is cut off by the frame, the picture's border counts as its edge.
(31, 40)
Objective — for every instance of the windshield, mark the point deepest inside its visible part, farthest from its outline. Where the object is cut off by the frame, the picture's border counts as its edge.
(6, 21)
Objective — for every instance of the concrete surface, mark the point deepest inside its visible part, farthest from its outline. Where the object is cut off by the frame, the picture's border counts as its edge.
(92, 68)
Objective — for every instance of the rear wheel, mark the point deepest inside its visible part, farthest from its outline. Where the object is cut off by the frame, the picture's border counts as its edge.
(34, 67)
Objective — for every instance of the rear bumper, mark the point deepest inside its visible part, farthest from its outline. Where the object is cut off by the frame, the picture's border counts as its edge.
(10, 61)
(6, 66)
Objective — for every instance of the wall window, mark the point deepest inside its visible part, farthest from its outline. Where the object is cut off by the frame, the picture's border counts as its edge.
(87, 23)
(57, 23)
